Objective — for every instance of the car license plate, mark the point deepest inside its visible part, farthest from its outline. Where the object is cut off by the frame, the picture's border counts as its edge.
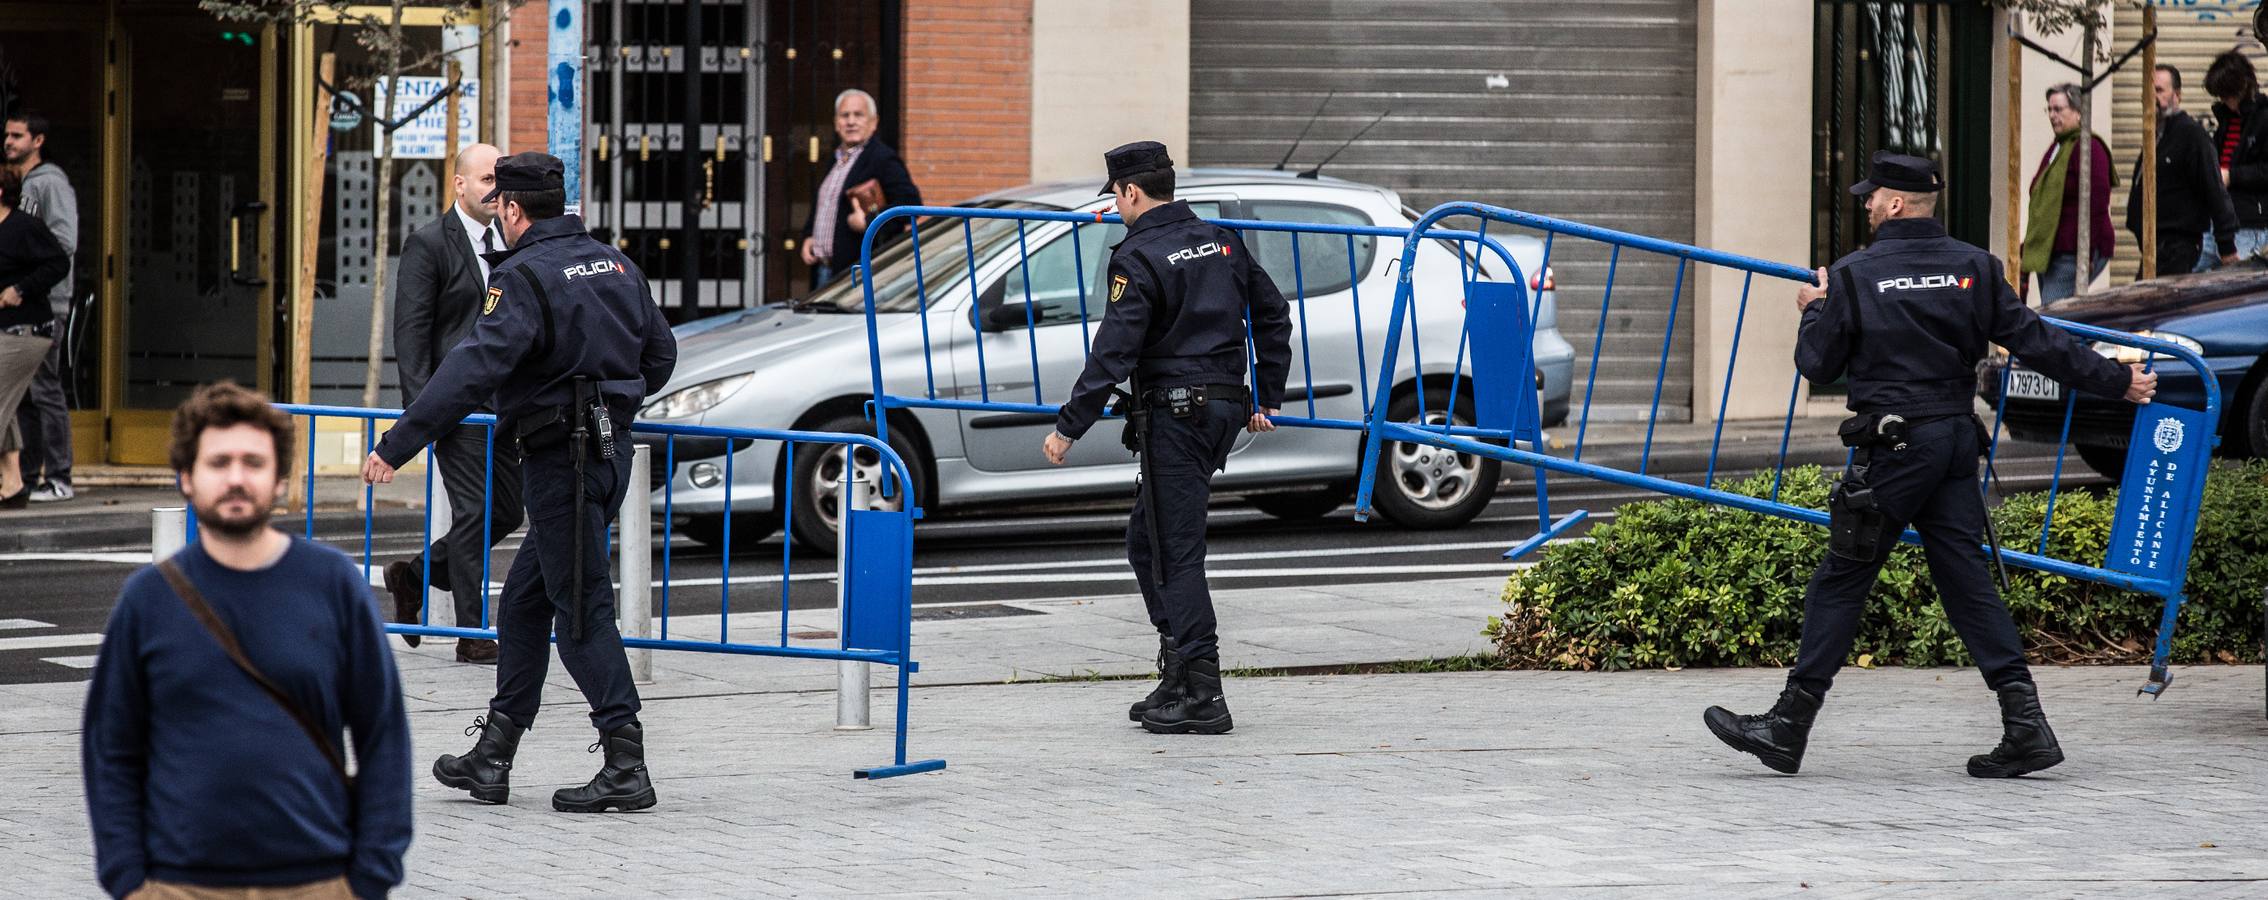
(2026, 385)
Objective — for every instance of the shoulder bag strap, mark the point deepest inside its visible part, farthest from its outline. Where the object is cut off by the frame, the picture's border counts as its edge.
(227, 640)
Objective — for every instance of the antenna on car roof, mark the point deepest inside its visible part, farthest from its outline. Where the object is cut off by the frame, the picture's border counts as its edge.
(1317, 171)
(1303, 130)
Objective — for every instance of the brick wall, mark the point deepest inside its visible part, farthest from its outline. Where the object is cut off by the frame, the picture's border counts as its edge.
(968, 96)
(530, 90)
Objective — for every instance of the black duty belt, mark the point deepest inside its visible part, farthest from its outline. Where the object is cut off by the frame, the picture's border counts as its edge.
(1181, 400)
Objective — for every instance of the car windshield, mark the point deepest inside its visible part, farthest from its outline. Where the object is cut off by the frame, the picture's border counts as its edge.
(945, 247)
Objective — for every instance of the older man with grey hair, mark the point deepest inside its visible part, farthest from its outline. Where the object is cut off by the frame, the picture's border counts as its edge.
(867, 177)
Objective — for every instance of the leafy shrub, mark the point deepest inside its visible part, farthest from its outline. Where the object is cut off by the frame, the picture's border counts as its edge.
(1683, 583)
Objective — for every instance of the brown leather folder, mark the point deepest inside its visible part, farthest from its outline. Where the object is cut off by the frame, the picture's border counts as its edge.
(868, 193)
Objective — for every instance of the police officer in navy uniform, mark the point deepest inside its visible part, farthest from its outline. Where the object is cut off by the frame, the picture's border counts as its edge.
(1180, 293)
(1907, 320)
(568, 344)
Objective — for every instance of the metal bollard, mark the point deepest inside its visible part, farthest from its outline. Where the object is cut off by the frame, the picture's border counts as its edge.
(169, 531)
(635, 602)
(853, 709)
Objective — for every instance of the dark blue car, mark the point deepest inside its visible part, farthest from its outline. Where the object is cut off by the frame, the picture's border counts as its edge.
(2223, 316)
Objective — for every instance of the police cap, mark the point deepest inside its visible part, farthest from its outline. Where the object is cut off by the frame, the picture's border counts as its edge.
(530, 171)
(1900, 172)
(1134, 159)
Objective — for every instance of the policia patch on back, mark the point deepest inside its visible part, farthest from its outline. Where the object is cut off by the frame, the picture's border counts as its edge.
(489, 306)
(1117, 287)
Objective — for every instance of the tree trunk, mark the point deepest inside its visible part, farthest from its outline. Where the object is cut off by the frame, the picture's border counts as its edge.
(2086, 150)
(380, 245)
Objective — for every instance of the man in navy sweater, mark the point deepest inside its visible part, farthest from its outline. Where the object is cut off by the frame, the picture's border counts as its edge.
(197, 778)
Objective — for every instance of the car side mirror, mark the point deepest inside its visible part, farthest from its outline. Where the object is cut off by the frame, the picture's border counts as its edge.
(1005, 317)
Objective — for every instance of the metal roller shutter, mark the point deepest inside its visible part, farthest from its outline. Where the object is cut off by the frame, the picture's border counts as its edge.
(1578, 110)
(2188, 39)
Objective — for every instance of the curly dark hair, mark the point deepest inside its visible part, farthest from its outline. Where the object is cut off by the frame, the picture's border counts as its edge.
(2231, 76)
(11, 187)
(225, 404)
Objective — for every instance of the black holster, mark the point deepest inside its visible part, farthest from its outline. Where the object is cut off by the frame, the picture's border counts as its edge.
(1854, 520)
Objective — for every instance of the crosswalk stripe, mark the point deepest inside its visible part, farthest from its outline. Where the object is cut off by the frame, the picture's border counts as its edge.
(125, 557)
(14, 624)
(76, 662)
(44, 641)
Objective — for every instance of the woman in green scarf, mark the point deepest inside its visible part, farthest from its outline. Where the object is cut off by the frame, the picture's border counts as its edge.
(2051, 230)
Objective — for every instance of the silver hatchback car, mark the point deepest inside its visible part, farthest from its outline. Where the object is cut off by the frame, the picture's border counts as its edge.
(805, 365)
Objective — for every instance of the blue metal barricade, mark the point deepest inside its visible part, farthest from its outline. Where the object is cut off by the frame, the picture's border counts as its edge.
(877, 614)
(2159, 496)
(997, 245)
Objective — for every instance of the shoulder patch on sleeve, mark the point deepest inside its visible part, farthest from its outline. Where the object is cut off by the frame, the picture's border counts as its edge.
(489, 306)
(1117, 287)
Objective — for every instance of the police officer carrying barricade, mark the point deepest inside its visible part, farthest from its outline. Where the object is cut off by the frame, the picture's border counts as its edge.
(1908, 319)
(1181, 290)
(569, 343)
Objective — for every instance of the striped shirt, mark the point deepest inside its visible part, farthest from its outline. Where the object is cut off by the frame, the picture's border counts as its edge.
(830, 195)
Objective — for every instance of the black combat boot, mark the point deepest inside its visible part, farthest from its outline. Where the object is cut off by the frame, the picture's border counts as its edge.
(485, 770)
(1199, 708)
(1776, 737)
(2027, 745)
(1169, 680)
(620, 784)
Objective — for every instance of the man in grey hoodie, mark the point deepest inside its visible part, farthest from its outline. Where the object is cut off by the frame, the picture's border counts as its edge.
(44, 418)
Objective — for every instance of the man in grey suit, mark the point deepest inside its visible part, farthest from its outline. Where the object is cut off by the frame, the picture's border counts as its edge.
(442, 282)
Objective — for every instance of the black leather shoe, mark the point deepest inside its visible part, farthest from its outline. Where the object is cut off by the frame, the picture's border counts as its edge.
(486, 770)
(409, 595)
(1199, 709)
(1777, 737)
(477, 651)
(2027, 744)
(620, 784)
(1169, 680)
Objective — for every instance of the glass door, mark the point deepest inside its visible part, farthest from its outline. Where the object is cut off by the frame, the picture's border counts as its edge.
(197, 114)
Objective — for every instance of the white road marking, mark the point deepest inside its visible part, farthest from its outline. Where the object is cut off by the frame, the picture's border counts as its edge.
(1387, 550)
(13, 624)
(44, 641)
(76, 662)
(1457, 569)
(141, 558)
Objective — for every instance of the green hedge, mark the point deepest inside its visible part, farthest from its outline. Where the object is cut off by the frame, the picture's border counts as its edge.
(1682, 583)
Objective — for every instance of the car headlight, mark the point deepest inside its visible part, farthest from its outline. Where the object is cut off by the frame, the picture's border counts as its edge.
(2125, 354)
(695, 400)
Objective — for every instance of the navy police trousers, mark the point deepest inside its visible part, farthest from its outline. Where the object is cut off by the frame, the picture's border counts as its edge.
(1932, 484)
(538, 592)
(1185, 452)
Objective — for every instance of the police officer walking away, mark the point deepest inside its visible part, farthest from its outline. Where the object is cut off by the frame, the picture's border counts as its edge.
(1181, 290)
(1907, 319)
(569, 343)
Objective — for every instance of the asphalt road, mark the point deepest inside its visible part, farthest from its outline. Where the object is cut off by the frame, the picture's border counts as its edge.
(51, 622)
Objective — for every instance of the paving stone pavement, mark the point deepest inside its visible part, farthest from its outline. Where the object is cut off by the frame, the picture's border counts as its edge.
(1517, 784)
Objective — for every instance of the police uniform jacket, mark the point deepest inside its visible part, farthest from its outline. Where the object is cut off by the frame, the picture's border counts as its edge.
(1909, 317)
(1180, 291)
(559, 305)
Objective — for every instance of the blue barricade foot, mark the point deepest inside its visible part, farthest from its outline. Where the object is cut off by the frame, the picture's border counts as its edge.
(1547, 535)
(880, 772)
(2160, 679)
